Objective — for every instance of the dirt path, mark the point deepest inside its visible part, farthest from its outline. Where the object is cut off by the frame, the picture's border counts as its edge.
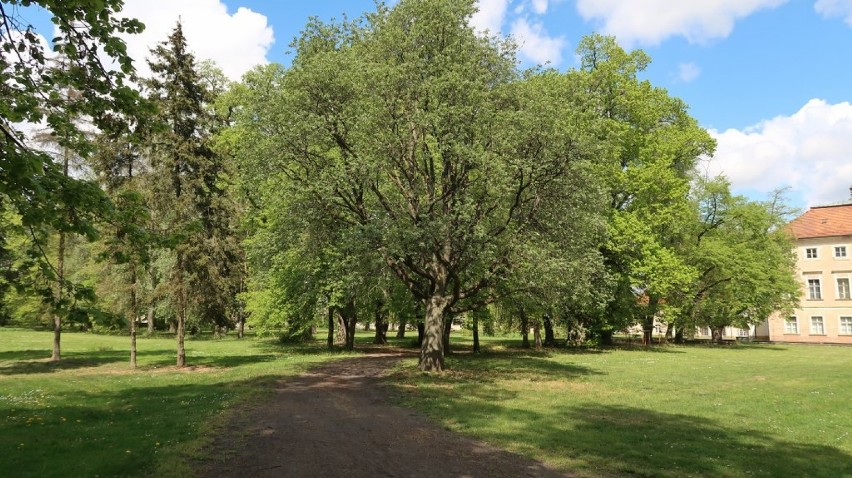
(336, 421)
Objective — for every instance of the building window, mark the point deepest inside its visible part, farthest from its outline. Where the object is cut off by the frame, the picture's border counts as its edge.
(817, 325)
(843, 291)
(811, 252)
(814, 290)
(840, 252)
(791, 325)
(846, 326)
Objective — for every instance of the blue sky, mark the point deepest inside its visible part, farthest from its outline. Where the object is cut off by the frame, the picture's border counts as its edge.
(770, 79)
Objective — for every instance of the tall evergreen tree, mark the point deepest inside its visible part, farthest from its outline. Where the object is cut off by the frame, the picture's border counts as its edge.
(188, 196)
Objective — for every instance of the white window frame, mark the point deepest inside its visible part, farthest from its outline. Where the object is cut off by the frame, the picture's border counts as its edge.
(845, 328)
(808, 251)
(821, 325)
(814, 293)
(843, 293)
(791, 325)
(840, 252)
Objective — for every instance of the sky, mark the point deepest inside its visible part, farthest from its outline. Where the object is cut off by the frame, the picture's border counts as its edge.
(771, 80)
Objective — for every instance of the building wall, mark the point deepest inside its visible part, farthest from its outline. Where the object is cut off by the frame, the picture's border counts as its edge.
(833, 272)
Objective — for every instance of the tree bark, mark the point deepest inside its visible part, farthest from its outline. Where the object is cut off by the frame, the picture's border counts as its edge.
(181, 313)
(132, 316)
(432, 348)
(525, 329)
(549, 336)
(476, 333)
(241, 324)
(381, 326)
(718, 334)
(150, 317)
(330, 340)
(57, 318)
(400, 332)
(445, 338)
(421, 331)
(537, 335)
(679, 335)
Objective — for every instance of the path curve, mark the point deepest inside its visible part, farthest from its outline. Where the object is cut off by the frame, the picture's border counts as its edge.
(336, 420)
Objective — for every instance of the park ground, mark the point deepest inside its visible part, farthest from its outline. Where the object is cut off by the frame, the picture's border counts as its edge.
(737, 410)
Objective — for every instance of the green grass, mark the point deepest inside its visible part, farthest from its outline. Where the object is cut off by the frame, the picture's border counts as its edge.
(740, 411)
(91, 415)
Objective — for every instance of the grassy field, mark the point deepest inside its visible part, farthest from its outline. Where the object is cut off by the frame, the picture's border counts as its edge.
(743, 411)
(740, 411)
(91, 415)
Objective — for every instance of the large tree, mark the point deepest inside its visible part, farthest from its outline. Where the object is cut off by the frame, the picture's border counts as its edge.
(424, 138)
(189, 197)
(655, 147)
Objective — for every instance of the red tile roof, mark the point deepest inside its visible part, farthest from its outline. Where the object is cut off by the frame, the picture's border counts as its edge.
(823, 221)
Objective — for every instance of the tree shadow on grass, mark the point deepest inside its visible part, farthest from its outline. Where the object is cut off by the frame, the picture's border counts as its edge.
(606, 440)
(70, 361)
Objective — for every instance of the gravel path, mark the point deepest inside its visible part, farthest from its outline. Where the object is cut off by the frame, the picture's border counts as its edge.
(336, 420)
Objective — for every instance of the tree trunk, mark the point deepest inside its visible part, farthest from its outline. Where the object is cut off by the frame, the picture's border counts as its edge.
(241, 324)
(476, 333)
(330, 340)
(181, 313)
(341, 329)
(150, 316)
(400, 332)
(60, 279)
(537, 335)
(432, 348)
(549, 337)
(132, 316)
(350, 321)
(525, 329)
(718, 334)
(381, 327)
(678, 338)
(421, 331)
(445, 338)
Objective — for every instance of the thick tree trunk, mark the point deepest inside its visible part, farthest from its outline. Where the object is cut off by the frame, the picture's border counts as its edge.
(669, 331)
(445, 338)
(330, 340)
(421, 331)
(549, 336)
(241, 324)
(400, 332)
(432, 348)
(381, 326)
(718, 334)
(537, 335)
(150, 316)
(341, 329)
(679, 335)
(525, 329)
(476, 333)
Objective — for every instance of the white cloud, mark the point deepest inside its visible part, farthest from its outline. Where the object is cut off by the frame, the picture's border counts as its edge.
(687, 72)
(539, 6)
(236, 42)
(535, 44)
(649, 22)
(808, 151)
(491, 15)
(835, 8)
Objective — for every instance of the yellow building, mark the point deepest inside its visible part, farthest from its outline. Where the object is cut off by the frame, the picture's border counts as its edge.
(824, 252)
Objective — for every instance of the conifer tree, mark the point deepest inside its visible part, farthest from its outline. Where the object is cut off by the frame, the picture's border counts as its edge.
(188, 194)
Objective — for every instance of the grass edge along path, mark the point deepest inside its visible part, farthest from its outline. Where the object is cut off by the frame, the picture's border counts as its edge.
(703, 411)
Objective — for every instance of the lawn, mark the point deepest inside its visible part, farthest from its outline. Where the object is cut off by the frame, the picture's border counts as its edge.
(91, 415)
(737, 410)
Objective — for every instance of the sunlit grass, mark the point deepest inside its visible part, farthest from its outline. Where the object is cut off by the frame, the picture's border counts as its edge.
(746, 410)
(91, 415)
